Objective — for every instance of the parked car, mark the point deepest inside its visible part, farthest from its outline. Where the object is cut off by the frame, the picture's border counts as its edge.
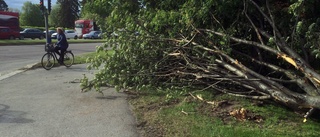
(32, 33)
(69, 34)
(54, 35)
(7, 33)
(92, 35)
(50, 32)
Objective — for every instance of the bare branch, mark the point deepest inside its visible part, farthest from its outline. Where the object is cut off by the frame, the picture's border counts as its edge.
(294, 60)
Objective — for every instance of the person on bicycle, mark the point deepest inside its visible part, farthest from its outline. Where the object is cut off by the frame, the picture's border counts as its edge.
(62, 44)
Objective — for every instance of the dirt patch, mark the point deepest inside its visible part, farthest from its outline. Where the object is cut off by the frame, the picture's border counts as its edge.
(221, 111)
(146, 113)
(150, 130)
(147, 124)
(227, 110)
(230, 110)
(150, 126)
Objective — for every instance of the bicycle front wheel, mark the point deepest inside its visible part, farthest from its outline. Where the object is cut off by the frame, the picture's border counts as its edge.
(68, 59)
(48, 61)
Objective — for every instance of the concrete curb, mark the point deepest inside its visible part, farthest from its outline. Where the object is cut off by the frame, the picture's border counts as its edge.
(23, 69)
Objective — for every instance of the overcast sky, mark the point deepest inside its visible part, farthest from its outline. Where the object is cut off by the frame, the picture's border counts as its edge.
(17, 4)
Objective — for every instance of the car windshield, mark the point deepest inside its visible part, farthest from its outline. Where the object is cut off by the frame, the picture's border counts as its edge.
(92, 32)
(79, 25)
(69, 31)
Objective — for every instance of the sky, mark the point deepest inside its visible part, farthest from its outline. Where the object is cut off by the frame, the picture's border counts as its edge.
(17, 4)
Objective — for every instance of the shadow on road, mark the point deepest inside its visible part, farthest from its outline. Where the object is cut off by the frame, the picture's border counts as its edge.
(10, 116)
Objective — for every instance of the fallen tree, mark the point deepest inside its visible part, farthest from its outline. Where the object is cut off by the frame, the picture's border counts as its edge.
(254, 49)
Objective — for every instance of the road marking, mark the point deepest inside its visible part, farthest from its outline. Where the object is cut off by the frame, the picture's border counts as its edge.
(10, 74)
(27, 67)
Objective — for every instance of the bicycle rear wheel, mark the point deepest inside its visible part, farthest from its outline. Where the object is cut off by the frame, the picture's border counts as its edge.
(68, 59)
(48, 61)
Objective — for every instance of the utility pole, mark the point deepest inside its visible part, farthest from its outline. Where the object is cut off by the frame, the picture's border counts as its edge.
(45, 13)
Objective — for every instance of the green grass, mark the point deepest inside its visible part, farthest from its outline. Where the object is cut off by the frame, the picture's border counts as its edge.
(78, 59)
(81, 59)
(188, 117)
(43, 41)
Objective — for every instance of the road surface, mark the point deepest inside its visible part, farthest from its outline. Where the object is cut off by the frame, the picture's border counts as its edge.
(13, 58)
(41, 103)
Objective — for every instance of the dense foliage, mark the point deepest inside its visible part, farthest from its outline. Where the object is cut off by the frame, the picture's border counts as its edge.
(54, 17)
(31, 15)
(265, 49)
(63, 14)
(68, 13)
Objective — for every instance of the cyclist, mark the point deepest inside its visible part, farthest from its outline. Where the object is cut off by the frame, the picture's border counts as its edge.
(62, 44)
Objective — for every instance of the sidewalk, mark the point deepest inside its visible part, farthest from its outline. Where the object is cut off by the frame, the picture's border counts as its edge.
(41, 103)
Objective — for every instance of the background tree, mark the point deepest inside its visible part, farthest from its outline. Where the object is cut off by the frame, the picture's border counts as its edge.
(265, 49)
(3, 5)
(54, 18)
(69, 12)
(97, 10)
(31, 15)
(100, 7)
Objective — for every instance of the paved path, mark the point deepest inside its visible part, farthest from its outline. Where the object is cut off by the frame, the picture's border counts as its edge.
(40, 103)
(13, 57)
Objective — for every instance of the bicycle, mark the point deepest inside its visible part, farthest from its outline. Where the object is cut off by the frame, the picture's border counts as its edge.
(49, 59)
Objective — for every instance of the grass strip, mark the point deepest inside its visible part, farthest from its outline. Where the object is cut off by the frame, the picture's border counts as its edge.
(190, 117)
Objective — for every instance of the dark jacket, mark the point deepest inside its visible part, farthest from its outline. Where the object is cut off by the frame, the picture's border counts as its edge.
(62, 41)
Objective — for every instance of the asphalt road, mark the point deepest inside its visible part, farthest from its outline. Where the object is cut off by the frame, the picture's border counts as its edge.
(41, 103)
(13, 58)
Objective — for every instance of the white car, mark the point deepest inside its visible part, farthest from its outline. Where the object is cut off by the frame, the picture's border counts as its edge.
(70, 34)
(92, 35)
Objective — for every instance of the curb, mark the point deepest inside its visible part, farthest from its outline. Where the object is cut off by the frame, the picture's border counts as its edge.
(23, 69)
